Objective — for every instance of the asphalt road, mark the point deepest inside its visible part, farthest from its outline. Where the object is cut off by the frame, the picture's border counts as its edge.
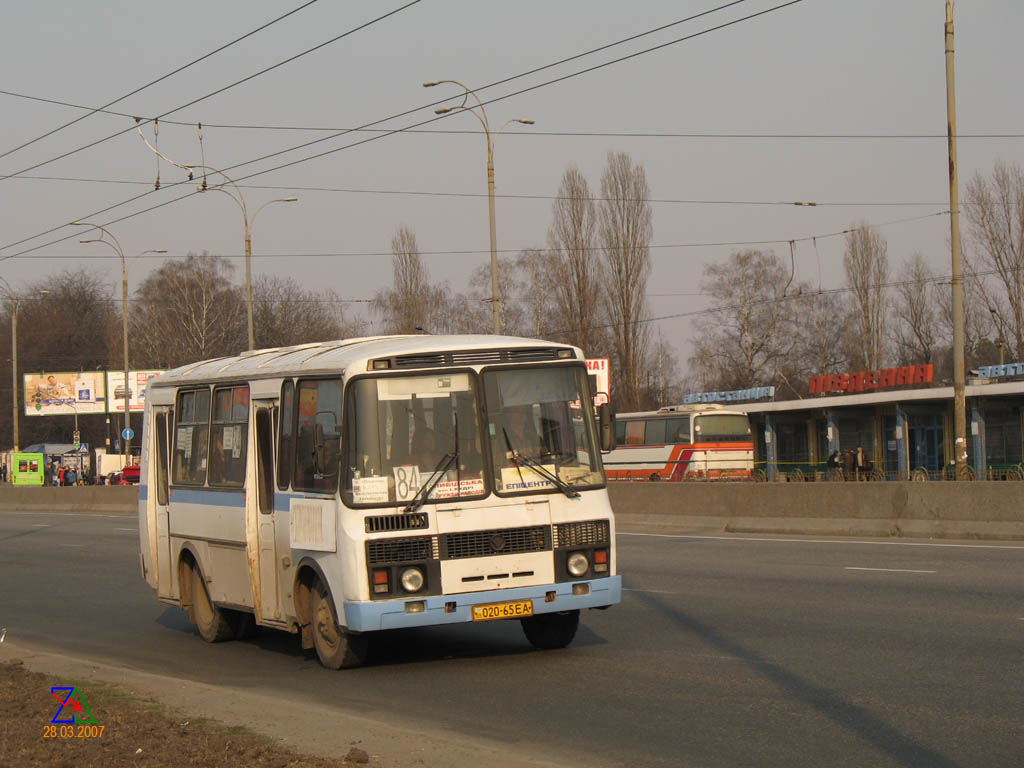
(726, 651)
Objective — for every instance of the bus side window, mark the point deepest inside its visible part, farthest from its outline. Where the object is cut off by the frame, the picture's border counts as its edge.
(677, 431)
(620, 433)
(635, 432)
(286, 437)
(655, 432)
(161, 459)
(229, 436)
(191, 438)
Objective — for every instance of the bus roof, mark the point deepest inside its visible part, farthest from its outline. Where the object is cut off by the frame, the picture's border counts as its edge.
(674, 410)
(402, 353)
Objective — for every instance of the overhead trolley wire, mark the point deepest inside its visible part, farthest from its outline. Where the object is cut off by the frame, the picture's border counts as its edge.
(220, 90)
(433, 119)
(508, 196)
(94, 110)
(568, 134)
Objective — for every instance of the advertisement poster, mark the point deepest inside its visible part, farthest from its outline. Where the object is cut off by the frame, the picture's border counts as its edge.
(63, 394)
(136, 389)
(600, 375)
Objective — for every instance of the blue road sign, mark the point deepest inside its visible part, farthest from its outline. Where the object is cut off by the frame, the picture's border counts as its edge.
(128, 433)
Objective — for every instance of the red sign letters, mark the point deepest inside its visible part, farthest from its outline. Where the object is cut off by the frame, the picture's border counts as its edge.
(867, 380)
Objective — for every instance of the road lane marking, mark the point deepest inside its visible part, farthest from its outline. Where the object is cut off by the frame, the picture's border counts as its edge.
(821, 541)
(71, 514)
(71, 545)
(133, 530)
(41, 525)
(887, 570)
(650, 591)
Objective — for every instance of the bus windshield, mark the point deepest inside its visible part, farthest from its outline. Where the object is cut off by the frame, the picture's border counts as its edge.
(404, 433)
(538, 416)
(722, 428)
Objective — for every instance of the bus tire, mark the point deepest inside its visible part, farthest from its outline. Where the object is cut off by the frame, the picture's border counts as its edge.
(214, 625)
(336, 648)
(547, 631)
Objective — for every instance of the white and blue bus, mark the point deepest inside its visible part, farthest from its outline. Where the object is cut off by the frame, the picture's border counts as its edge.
(341, 488)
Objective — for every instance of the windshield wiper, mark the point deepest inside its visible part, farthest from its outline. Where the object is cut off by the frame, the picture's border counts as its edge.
(539, 468)
(440, 469)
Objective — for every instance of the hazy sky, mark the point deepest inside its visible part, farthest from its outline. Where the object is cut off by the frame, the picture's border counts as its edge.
(816, 67)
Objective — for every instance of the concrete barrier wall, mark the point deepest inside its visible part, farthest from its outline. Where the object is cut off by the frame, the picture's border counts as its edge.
(98, 499)
(983, 510)
(991, 510)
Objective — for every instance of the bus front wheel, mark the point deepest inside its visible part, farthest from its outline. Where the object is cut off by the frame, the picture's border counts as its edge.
(335, 648)
(547, 631)
(213, 624)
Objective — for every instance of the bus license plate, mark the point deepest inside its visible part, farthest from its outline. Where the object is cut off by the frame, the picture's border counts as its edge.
(512, 610)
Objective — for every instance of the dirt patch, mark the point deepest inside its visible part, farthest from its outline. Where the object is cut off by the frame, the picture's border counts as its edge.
(116, 728)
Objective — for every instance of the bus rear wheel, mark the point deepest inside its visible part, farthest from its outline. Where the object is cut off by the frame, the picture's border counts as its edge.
(335, 647)
(547, 631)
(214, 625)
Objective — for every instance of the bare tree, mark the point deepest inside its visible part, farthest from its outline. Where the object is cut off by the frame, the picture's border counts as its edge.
(286, 314)
(866, 261)
(471, 310)
(995, 232)
(818, 332)
(578, 267)
(412, 302)
(749, 337)
(626, 229)
(536, 272)
(187, 311)
(915, 332)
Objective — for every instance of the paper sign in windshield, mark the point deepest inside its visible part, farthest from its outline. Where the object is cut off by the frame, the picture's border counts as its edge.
(409, 479)
(525, 479)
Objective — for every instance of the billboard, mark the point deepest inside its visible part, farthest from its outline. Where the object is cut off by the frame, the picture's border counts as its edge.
(137, 381)
(65, 394)
(600, 375)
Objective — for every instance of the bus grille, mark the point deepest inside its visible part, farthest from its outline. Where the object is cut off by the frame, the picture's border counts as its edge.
(400, 550)
(581, 534)
(385, 523)
(506, 541)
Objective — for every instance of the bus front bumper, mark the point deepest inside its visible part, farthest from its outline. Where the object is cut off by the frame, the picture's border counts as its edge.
(438, 609)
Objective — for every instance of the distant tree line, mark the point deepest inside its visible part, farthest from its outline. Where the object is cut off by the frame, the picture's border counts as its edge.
(766, 329)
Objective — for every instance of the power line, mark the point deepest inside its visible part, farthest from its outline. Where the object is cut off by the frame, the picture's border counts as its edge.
(570, 134)
(415, 125)
(221, 90)
(478, 252)
(434, 193)
(93, 110)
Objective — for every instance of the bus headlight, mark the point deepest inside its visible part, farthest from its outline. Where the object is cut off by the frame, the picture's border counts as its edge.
(577, 564)
(412, 579)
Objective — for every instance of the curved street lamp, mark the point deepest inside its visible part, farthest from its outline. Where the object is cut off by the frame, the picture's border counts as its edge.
(15, 405)
(247, 220)
(239, 201)
(115, 245)
(481, 114)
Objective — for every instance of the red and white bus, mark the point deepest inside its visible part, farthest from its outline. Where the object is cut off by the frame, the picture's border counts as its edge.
(681, 442)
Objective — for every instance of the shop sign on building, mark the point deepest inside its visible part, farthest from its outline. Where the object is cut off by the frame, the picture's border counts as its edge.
(732, 396)
(1001, 371)
(865, 381)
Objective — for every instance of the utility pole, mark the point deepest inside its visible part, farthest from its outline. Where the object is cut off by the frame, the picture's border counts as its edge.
(959, 399)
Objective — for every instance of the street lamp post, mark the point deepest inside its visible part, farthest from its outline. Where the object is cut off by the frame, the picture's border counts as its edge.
(115, 245)
(247, 221)
(15, 405)
(482, 117)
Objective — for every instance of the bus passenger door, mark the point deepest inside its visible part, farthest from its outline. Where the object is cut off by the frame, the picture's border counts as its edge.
(160, 541)
(269, 605)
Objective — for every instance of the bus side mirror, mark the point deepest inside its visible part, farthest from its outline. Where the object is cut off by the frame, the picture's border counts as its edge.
(606, 423)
